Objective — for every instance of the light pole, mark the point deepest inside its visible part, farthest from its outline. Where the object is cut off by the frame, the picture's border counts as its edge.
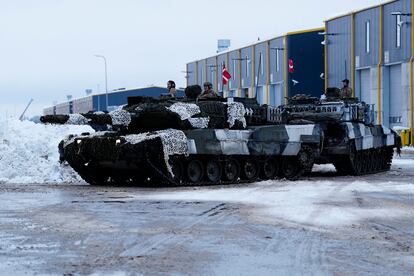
(106, 79)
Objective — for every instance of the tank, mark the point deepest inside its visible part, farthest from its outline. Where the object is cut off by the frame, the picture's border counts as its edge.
(188, 141)
(194, 141)
(352, 141)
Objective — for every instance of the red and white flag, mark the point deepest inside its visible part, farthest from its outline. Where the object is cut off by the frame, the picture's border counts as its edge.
(291, 66)
(226, 75)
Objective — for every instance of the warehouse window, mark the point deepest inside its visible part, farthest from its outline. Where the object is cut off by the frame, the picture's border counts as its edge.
(398, 31)
(277, 61)
(202, 75)
(367, 36)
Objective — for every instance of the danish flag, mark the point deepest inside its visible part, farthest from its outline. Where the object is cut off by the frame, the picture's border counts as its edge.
(291, 67)
(226, 75)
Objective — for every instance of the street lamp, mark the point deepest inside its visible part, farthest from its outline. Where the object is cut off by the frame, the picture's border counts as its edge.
(106, 79)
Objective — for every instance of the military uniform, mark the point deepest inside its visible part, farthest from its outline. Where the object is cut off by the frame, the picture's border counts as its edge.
(346, 92)
(208, 93)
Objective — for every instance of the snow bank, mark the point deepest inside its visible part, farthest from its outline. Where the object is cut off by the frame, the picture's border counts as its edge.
(29, 153)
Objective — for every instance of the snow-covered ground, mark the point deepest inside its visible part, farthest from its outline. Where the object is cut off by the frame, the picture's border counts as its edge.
(29, 153)
(320, 201)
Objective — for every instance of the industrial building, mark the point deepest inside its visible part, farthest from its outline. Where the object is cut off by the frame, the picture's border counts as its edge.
(374, 49)
(262, 70)
(97, 102)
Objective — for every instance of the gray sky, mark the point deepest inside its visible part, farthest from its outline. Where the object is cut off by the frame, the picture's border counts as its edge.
(47, 47)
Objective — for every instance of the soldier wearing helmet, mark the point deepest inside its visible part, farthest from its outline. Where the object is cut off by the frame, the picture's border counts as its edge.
(346, 91)
(208, 91)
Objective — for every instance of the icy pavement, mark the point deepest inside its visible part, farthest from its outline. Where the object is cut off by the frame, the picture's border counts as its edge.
(323, 225)
(29, 152)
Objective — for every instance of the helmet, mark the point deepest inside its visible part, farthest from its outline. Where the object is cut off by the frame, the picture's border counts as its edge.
(208, 84)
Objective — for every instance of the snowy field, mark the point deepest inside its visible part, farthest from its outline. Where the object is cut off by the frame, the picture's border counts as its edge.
(51, 223)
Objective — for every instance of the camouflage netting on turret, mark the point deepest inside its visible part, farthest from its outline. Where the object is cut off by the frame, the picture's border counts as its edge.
(235, 113)
(174, 142)
(120, 117)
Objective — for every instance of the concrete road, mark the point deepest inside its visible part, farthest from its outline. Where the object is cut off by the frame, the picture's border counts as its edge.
(323, 225)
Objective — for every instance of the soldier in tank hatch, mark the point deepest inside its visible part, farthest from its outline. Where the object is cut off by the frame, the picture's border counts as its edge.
(208, 91)
(346, 91)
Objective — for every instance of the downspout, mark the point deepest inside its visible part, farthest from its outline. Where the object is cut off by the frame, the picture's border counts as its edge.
(285, 79)
(196, 72)
(228, 83)
(186, 74)
(240, 73)
(326, 56)
(411, 77)
(253, 84)
(217, 71)
(353, 53)
(380, 64)
(268, 70)
(205, 70)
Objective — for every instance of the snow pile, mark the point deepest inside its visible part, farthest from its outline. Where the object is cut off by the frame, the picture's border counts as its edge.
(29, 152)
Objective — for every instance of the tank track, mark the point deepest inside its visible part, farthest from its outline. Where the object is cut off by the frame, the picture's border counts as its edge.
(196, 171)
(365, 161)
(228, 170)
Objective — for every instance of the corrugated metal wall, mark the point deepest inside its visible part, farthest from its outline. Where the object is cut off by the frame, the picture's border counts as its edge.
(233, 68)
(260, 62)
(246, 67)
(83, 105)
(339, 50)
(276, 60)
(192, 73)
(221, 60)
(367, 19)
(392, 53)
(201, 69)
(212, 71)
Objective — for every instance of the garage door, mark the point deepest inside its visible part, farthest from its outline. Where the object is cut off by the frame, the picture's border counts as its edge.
(365, 86)
(260, 95)
(276, 94)
(395, 96)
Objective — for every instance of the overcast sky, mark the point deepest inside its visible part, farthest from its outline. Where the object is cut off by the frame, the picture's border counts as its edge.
(47, 47)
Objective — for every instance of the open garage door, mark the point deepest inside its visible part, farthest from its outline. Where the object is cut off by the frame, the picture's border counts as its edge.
(395, 96)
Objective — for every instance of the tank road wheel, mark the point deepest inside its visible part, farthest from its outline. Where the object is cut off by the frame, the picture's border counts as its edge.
(251, 170)
(231, 170)
(213, 171)
(178, 171)
(290, 168)
(195, 171)
(270, 169)
(306, 159)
